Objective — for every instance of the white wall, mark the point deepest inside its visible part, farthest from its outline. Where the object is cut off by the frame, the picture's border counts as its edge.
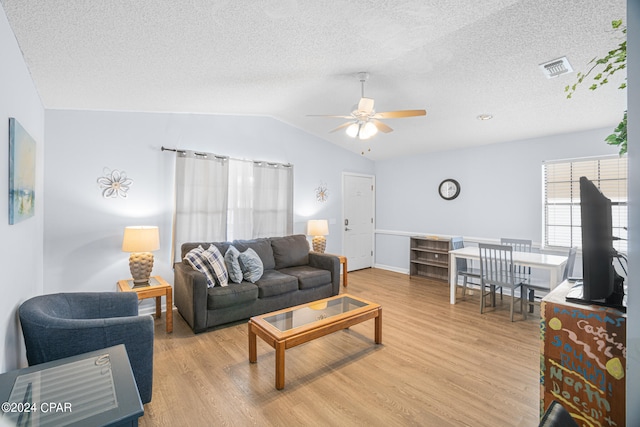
(83, 231)
(21, 248)
(501, 192)
(633, 128)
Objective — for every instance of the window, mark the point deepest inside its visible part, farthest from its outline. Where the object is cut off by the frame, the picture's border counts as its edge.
(218, 199)
(562, 198)
(260, 199)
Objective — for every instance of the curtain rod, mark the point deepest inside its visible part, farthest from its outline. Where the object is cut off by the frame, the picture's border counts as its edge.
(163, 148)
(258, 162)
(196, 153)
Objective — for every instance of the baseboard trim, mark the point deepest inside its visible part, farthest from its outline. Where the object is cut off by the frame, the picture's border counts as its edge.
(392, 268)
(150, 310)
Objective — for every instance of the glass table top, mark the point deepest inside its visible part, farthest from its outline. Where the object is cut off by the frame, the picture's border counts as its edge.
(313, 312)
(62, 395)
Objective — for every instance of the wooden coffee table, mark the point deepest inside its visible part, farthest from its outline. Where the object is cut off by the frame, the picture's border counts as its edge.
(293, 326)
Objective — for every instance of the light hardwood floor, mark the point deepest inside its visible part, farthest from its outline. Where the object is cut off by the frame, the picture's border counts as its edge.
(439, 365)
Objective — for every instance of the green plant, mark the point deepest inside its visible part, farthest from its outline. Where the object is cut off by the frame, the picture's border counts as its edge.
(614, 61)
(619, 135)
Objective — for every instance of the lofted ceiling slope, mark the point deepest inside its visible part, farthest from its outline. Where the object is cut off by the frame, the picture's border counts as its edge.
(292, 58)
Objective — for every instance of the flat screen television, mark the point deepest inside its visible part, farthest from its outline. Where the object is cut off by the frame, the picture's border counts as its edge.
(600, 283)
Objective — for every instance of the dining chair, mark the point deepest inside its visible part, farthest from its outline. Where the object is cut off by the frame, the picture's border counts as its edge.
(571, 261)
(519, 245)
(464, 269)
(532, 285)
(496, 270)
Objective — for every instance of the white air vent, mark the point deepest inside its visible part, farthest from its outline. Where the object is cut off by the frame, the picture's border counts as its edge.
(556, 67)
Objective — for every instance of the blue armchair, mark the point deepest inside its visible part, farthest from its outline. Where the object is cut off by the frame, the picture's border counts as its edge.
(66, 324)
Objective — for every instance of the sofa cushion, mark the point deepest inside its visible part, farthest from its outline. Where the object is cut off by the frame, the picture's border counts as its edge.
(233, 265)
(251, 265)
(202, 262)
(262, 248)
(290, 251)
(308, 277)
(235, 294)
(273, 283)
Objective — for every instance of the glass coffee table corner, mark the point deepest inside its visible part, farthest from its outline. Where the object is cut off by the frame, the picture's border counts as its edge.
(297, 325)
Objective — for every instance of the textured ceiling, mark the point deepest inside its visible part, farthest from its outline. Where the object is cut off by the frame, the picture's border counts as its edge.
(292, 58)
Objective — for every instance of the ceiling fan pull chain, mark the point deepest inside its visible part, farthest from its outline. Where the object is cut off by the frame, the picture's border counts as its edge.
(362, 76)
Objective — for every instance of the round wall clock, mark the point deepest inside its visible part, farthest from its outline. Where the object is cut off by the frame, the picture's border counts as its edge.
(449, 189)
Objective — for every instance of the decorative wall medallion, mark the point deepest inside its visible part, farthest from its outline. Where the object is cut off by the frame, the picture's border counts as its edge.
(322, 193)
(114, 183)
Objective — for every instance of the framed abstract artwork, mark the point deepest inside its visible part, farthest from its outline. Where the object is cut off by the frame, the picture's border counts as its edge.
(22, 173)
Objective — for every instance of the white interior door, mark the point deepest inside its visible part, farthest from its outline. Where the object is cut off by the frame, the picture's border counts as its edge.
(359, 208)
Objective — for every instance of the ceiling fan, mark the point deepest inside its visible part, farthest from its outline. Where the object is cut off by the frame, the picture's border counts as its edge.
(364, 122)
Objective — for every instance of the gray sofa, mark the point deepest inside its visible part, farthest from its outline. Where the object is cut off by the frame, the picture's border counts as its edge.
(292, 275)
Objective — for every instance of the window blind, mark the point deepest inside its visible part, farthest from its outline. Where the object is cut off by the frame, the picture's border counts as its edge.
(562, 198)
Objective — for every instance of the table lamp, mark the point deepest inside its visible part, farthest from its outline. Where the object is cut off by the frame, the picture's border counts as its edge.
(318, 228)
(140, 241)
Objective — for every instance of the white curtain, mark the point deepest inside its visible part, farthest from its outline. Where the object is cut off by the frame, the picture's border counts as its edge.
(260, 199)
(272, 199)
(202, 182)
(220, 199)
(240, 218)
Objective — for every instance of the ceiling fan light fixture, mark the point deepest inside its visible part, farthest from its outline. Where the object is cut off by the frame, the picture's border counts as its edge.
(352, 130)
(360, 133)
(369, 129)
(364, 122)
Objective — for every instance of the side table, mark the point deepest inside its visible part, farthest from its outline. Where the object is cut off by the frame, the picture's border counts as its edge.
(90, 389)
(157, 288)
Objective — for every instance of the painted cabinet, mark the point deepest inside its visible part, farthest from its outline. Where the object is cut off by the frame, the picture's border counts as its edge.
(583, 359)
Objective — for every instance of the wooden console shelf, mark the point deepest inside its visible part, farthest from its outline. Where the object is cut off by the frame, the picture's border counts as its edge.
(429, 257)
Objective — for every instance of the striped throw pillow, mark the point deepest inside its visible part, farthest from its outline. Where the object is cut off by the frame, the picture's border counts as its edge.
(216, 260)
(210, 263)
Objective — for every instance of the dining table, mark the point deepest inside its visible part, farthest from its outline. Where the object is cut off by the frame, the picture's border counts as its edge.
(555, 264)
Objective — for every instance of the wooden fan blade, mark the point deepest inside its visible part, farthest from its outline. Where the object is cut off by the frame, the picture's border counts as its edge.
(400, 114)
(342, 126)
(382, 127)
(328, 115)
(366, 105)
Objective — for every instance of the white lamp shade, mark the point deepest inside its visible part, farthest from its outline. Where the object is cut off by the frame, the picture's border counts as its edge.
(318, 227)
(141, 239)
(370, 129)
(352, 130)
